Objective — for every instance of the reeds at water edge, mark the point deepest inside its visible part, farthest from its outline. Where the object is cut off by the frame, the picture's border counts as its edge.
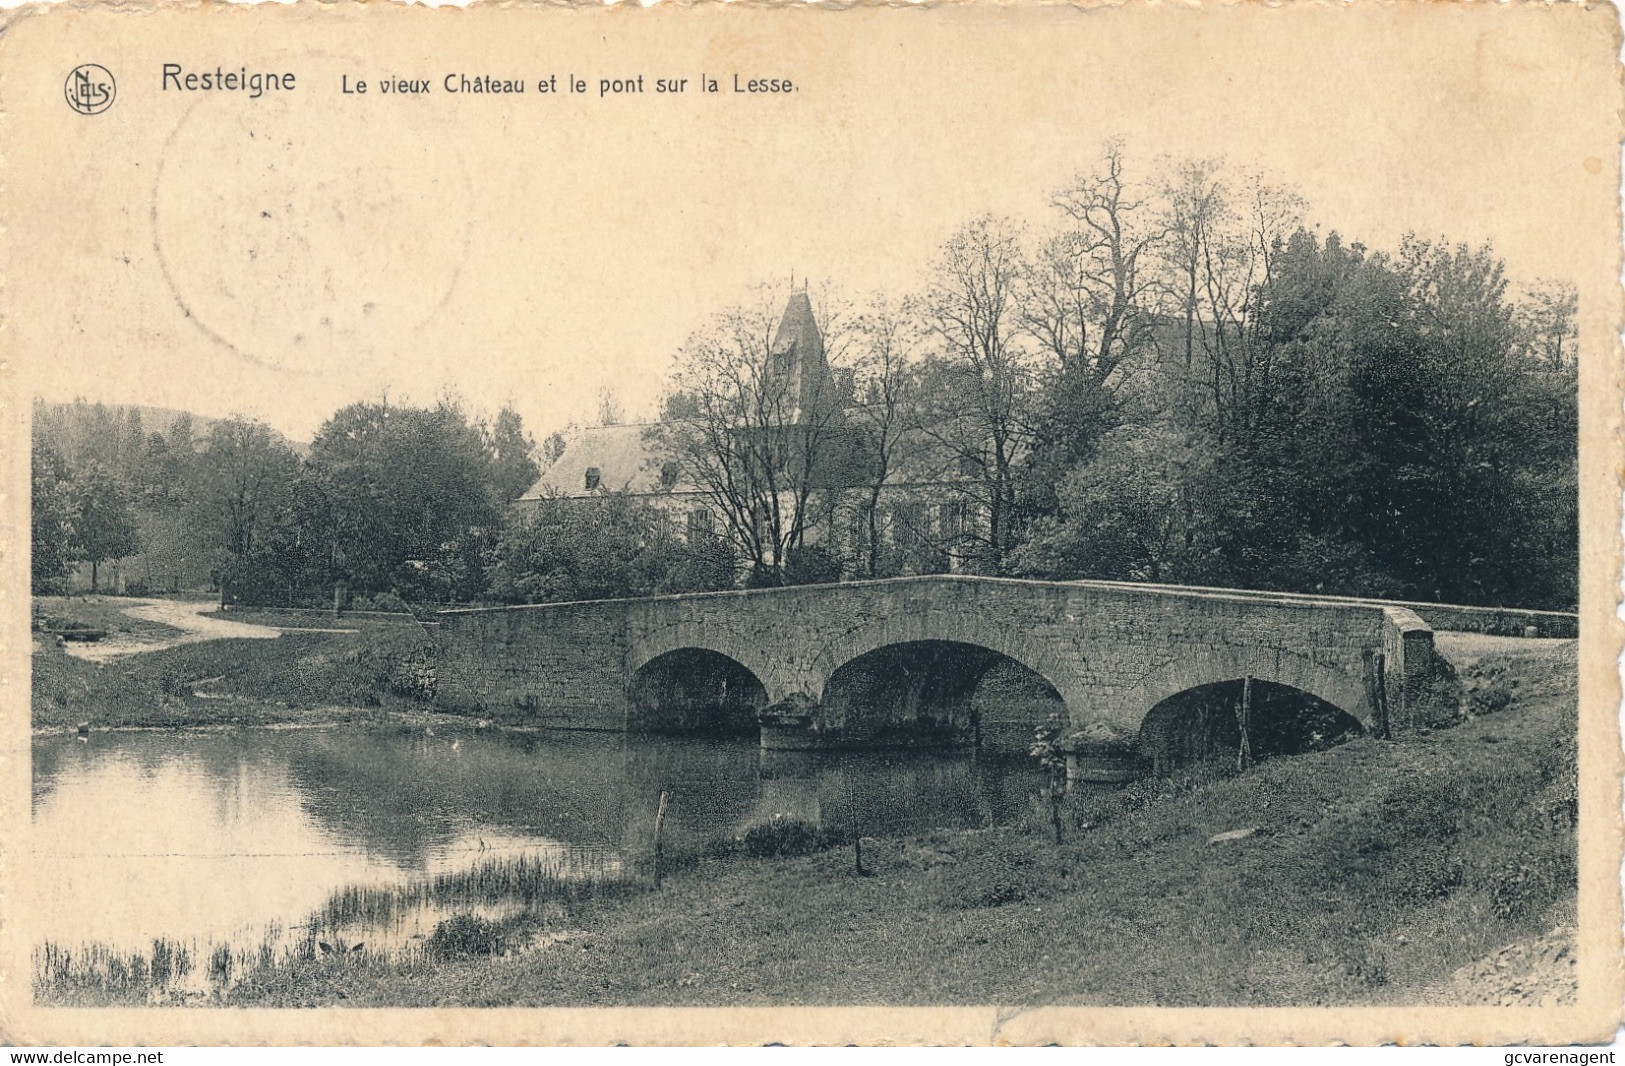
(519, 882)
(360, 917)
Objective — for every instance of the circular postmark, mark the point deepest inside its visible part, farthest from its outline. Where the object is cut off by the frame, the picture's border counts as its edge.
(309, 246)
(90, 88)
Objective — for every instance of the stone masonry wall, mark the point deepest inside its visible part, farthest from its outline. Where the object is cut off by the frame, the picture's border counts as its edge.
(1111, 651)
(558, 665)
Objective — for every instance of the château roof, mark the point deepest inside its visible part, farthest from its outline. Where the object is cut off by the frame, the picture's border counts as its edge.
(798, 332)
(629, 459)
(624, 456)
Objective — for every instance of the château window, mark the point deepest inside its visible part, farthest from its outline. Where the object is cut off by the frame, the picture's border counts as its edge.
(593, 477)
(905, 524)
(668, 475)
(699, 522)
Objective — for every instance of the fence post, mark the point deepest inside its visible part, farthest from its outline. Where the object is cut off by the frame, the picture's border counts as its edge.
(855, 828)
(660, 818)
(1244, 753)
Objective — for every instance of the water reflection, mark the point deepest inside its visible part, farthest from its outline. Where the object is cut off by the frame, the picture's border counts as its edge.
(208, 835)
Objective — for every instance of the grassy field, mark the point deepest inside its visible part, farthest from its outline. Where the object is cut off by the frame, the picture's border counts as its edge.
(295, 677)
(1369, 873)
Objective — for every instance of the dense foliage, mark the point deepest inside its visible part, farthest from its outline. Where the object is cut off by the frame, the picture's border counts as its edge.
(612, 547)
(1174, 378)
(1180, 381)
(391, 500)
(1394, 434)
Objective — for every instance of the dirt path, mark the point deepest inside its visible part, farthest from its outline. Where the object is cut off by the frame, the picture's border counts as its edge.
(184, 615)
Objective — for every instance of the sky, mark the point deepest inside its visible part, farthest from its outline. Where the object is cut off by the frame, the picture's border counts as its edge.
(281, 257)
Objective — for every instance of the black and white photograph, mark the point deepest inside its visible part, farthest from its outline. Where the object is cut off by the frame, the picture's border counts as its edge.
(1027, 510)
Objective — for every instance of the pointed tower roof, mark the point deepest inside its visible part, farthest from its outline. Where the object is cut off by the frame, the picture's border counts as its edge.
(797, 362)
(798, 334)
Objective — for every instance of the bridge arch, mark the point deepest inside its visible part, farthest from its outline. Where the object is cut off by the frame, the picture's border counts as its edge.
(960, 628)
(748, 654)
(1204, 722)
(1193, 669)
(692, 689)
(939, 692)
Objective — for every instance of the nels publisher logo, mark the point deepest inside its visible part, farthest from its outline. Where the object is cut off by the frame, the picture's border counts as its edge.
(90, 89)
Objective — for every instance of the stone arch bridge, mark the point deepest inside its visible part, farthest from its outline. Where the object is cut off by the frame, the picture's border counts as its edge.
(1110, 652)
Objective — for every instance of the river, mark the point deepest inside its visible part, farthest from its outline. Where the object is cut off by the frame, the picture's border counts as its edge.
(213, 837)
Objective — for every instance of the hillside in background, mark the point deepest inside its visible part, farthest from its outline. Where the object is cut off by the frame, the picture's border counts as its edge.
(137, 462)
(81, 430)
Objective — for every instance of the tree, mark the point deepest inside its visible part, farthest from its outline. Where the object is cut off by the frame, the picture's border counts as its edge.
(242, 500)
(394, 491)
(1339, 421)
(132, 443)
(510, 451)
(158, 484)
(1090, 301)
(104, 525)
(1133, 512)
(1196, 209)
(613, 546)
(551, 449)
(1482, 412)
(887, 338)
(1394, 449)
(179, 457)
(1549, 318)
(978, 388)
(610, 411)
(1091, 288)
(182, 439)
(52, 518)
(98, 436)
(1222, 235)
(755, 419)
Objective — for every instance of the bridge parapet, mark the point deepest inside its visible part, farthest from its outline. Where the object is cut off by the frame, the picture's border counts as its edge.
(1443, 617)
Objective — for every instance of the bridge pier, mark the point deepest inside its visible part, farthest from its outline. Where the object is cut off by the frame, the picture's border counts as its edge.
(1112, 764)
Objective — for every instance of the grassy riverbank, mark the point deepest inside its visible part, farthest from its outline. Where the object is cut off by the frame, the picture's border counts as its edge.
(106, 613)
(294, 677)
(1373, 872)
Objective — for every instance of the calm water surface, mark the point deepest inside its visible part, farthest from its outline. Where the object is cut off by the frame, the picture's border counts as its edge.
(208, 837)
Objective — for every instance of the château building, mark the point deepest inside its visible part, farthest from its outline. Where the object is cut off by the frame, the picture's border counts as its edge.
(923, 516)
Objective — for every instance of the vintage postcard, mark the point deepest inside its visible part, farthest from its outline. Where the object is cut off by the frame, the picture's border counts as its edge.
(738, 523)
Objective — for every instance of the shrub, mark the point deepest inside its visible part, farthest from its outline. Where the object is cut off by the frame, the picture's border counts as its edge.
(1488, 695)
(811, 564)
(787, 836)
(220, 964)
(169, 960)
(1091, 808)
(463, 935)
(386, 602)
(1436, 701)
(413, 676)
